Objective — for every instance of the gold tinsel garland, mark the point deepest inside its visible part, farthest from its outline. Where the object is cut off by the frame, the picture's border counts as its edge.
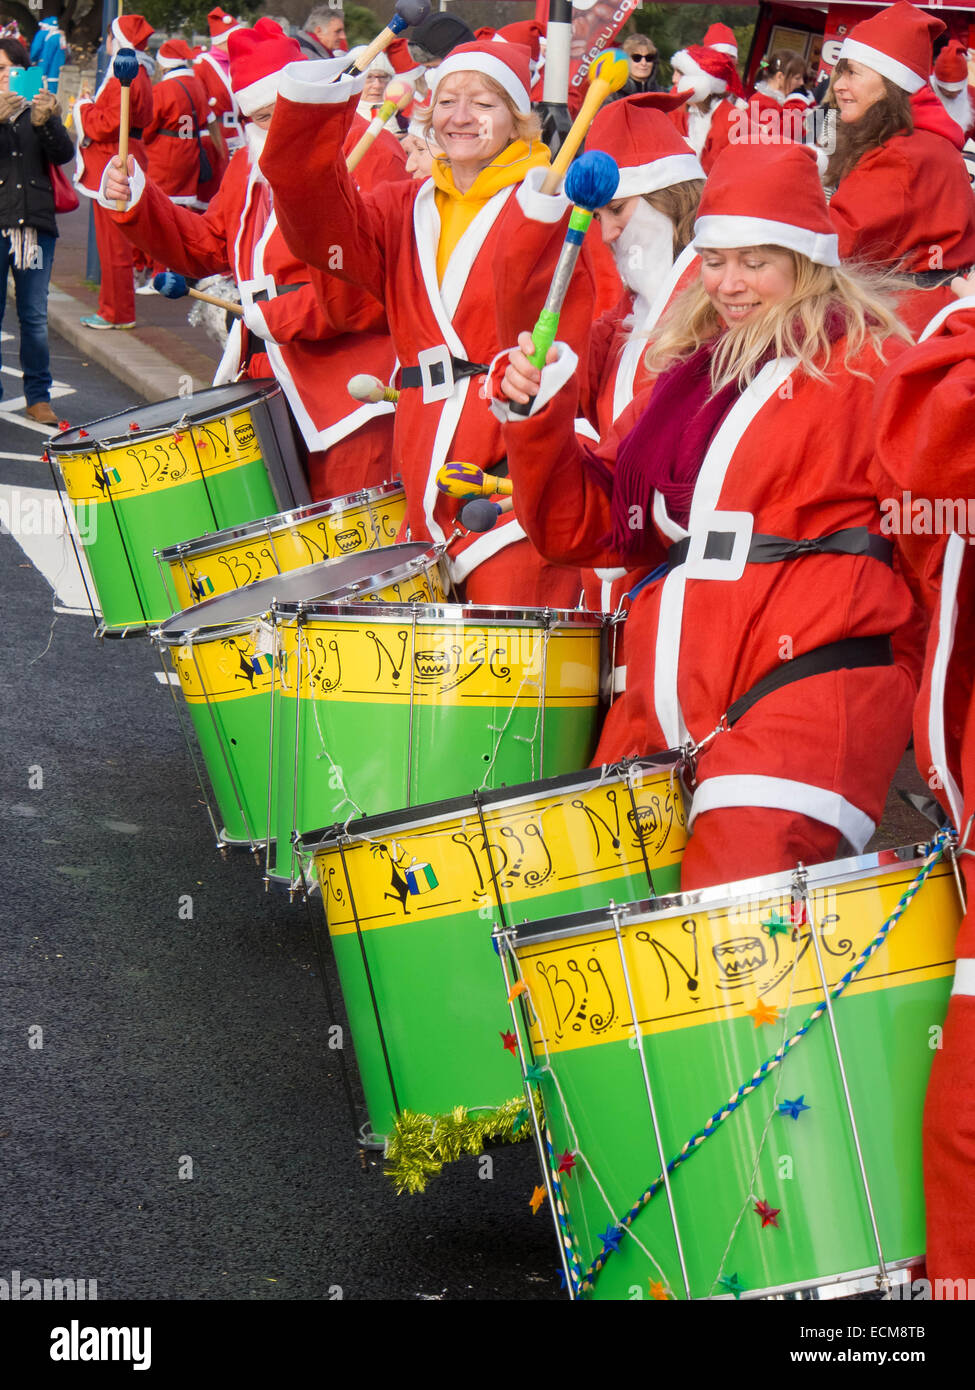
(419, 1145)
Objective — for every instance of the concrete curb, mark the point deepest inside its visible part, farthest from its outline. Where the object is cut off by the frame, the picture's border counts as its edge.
(142, 368)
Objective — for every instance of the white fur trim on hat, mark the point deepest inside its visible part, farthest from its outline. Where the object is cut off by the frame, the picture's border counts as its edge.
(259, 93)
(221, 39)
(488, 66)
(953, 89)
(728, 48)
(889, 67)
(659, 173)
(721, 233)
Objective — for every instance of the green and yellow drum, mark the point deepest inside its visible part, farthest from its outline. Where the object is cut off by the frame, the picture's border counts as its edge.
(398, 706)
(149, 477)
(223, 654)
(410, 899)
(217, 564)
(789, 1132)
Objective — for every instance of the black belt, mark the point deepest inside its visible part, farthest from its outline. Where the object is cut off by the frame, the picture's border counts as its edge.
(178, 134)
(765, 550)
(934, 279)
(262, 296)
(412, 376)
(849, 654)
(135, 132)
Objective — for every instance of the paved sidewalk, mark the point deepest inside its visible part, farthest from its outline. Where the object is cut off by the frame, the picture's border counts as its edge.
(152, 357)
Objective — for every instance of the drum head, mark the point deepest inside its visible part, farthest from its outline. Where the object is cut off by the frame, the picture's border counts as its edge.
(159, 417)
(342, 576)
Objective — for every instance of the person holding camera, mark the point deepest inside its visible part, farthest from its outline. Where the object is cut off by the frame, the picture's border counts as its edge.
(32, 139)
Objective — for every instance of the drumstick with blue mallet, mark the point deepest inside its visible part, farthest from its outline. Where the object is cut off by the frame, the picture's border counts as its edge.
(174, 286)
(125, 69)
(590, 183)
(408, 13)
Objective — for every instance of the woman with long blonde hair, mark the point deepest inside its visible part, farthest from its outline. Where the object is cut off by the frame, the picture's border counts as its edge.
(763, 639)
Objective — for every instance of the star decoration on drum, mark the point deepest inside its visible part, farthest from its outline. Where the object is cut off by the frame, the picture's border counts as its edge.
(777, 926)
(534, 1073)
(134, 426)
(732, 1284)
(64, 425)
(658, 1291)
(518, 988)
(537, 1198)
(763, 1013)
(520, 1120)
(767, 1213)
(509, 1041)
(793, 1108)
(567, 1162)
(611, 1237)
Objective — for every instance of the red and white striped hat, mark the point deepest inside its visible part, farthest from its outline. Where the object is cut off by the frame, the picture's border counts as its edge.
(175, 53)
(645, 144)
(722, 38)
(896, 43)
(509, 64)
(222, 25)
(132, 31)
(768, 195)
(951, 67)
(257, 57)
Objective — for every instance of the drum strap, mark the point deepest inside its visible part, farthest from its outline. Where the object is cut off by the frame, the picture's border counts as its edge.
(765, 550)
(849, 654)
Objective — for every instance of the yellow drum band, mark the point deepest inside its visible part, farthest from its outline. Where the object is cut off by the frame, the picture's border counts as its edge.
(578, 993)
(225, 667)
(535, 847)
(440, 663)
(233, 566)
(135, 468)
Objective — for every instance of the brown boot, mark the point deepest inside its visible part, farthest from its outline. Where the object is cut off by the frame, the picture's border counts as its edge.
(41, 412)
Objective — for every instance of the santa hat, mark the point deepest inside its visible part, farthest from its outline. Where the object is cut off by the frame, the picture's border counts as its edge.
(722, 38)
(379, 64)
(768, 195)
(403, 65)
(132, 31)
(175, 53)
(896, 43)
(644, 143)
(951, 67)
(717, 68)
(529, 32)
(222, 25)
(509, 64)
(257, 57)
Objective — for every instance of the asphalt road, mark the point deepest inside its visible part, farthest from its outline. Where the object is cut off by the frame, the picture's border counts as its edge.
(164, 1039)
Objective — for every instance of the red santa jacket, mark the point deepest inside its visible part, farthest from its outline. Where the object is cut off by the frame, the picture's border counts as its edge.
(311, 356)
(925, 421)
(383, 161)
(97, 120)
(179, 111)
(386, 242)
(706, 633)
(215, 79)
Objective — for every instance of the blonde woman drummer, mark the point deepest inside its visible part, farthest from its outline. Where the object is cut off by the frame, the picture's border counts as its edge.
(436, 254)
(765, 644)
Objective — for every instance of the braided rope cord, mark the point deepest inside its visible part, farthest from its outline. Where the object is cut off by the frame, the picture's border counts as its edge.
(935, 853)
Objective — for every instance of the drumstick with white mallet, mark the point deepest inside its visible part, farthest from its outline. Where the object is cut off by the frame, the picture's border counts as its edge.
(590, 183)
(399, 93)
(125, 68)
(173, 286)
(408, 13)
(370, 389)
(607, 74)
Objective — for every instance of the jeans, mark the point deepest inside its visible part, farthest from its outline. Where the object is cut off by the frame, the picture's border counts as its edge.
(30, 292)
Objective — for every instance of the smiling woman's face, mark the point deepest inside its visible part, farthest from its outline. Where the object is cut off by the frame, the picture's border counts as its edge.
(856, 89)
(471, 122)
(744, 284)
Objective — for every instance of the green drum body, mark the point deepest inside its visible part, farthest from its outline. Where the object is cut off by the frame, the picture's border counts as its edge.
(223, 653)
(218, 564)
(733, 1080)
(150, 477)
(395, 707)
(410, 899)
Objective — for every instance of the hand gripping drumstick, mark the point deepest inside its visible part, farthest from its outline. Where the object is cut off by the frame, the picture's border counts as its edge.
(398, 94)
(126, 69)
(467, 480)
(370, 388)
(591, 183)
(408, 13)
(607, 74)
(174, 286)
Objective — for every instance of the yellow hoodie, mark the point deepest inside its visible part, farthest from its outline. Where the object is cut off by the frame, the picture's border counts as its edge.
(457, 210)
